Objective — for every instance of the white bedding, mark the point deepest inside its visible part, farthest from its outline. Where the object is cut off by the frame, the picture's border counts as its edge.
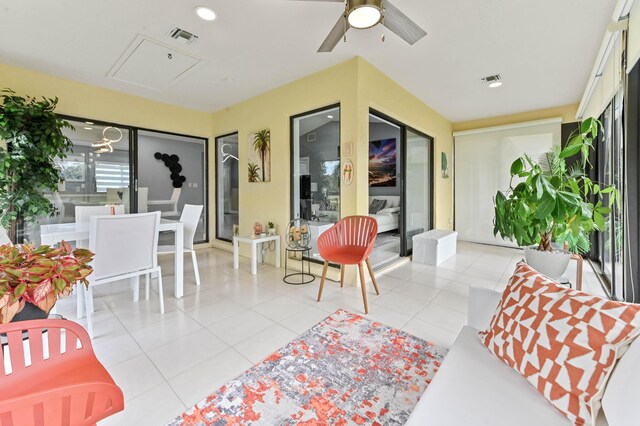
(388, 217)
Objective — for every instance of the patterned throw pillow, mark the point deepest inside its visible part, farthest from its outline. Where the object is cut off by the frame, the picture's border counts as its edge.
(564, 342)
(376, 205)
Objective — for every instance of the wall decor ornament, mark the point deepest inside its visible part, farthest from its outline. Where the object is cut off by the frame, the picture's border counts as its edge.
(444, 165)
(259, 158)
(172, 162)
(347, 172)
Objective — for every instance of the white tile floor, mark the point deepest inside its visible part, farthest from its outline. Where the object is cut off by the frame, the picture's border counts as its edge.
(165, 364)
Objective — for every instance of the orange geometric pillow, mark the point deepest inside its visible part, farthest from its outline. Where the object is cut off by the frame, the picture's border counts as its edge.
(564, 342)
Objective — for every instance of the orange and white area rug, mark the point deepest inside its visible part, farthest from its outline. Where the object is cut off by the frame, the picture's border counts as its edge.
(346, 370)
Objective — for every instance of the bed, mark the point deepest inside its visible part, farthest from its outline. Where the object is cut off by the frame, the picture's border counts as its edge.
(388, 217)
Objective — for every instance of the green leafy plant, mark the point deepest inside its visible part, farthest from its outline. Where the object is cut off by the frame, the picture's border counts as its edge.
(262, 143)
(271, 225)
(33, 133)
(253, 169)
(550, 202)
(39, 275)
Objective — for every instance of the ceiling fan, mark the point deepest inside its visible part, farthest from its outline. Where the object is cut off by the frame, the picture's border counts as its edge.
(362, 14)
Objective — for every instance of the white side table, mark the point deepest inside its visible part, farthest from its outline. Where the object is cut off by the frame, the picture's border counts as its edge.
(254, 241)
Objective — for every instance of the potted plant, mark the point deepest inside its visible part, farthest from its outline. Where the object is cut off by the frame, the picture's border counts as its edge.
(32, 278)
(34, 142)
(271, 228)
(550, 202)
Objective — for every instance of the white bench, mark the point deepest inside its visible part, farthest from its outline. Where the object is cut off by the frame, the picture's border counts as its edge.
(434, 247)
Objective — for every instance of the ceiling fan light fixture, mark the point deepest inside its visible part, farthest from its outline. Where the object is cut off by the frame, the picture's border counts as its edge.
(364, 13)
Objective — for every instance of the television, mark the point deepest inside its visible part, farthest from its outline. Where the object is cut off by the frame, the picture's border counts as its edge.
(305, 187)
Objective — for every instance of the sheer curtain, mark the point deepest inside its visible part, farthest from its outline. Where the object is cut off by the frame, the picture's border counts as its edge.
(483, 159)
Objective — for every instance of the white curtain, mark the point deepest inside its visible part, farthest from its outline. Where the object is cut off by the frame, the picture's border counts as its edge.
(483, 159)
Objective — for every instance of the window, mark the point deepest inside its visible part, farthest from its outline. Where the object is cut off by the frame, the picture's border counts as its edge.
(315, 167)
(111, 175)
(610, 170)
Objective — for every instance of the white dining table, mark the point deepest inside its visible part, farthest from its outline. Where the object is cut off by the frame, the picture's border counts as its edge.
(54, 233)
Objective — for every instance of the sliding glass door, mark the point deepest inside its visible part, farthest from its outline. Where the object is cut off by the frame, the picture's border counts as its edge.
(227, 186)
(172, 172)
(417, 187)
(315, 171)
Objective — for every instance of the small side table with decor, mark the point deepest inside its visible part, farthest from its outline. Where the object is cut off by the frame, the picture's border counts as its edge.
(298, 243)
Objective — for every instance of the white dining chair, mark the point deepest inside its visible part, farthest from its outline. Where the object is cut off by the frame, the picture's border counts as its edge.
(125, 246)
(172, 202)
(190, 218)
(83, 213)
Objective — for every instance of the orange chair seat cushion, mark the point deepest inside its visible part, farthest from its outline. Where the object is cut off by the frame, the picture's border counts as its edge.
(344, 255)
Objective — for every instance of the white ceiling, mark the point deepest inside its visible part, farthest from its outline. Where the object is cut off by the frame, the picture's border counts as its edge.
(543, 49)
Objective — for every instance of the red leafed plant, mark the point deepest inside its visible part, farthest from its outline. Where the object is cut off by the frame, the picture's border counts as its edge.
(39, 275)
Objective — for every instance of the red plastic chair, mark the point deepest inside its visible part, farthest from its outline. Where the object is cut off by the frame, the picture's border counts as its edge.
(46, 379)
(349, 242)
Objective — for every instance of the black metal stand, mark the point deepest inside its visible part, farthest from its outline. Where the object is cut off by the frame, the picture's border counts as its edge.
(305, 277)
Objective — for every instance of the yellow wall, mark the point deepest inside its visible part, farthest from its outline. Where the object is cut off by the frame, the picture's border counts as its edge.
(567, 112)
(357, 86)
(86, 101)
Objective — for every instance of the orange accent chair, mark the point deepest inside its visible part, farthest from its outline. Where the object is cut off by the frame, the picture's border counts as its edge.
(49, 375)
(349, 242)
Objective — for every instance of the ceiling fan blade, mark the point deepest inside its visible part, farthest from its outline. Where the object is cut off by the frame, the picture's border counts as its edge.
(335, 35)
(401, 25)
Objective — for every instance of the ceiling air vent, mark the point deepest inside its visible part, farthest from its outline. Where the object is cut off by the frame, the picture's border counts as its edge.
(492, 80)
(182, 36)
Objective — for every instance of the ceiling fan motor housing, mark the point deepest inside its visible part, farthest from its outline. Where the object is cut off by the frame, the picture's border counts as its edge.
(362, 7)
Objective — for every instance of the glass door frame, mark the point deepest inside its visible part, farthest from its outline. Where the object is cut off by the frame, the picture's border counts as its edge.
(133, 160)
(293, 177)
(217, 191)
(404, 129)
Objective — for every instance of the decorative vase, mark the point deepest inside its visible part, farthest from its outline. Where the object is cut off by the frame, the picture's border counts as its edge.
(271, 231)
(550, 263)
(30, 312)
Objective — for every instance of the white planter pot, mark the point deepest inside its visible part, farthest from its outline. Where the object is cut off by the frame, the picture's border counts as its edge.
(552, 264)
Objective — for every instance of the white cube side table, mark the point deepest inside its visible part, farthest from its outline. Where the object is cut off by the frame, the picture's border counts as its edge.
(254, 241)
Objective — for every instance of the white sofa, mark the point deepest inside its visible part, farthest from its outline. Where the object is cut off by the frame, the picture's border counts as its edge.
(387, 218)
(475, 388)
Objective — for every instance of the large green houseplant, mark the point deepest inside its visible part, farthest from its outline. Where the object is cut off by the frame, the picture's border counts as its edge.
(549, 201)
(34, 141)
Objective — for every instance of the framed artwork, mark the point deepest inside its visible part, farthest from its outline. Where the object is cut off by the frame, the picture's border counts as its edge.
(259, 158)
(73, 169)
(444, 165)
(382, 163)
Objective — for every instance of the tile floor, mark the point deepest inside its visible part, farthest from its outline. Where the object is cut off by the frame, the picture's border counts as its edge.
(165, 364)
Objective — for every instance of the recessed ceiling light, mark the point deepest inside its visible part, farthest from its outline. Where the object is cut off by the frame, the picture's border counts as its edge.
(329, 116)
(205, 13)
(88, 128)
(89, 122)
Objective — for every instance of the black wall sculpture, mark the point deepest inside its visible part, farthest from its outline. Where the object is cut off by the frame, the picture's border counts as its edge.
(172, 162)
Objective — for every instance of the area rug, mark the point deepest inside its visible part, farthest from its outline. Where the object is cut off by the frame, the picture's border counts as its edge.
(346, 370)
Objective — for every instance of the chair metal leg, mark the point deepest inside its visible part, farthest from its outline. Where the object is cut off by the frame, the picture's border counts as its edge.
(88, 300)
(364, 288)
(342, 268)
(373, 278)
(160, 293)
(195, 266)
(146, 286)
(324, 274)
(135, 283)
